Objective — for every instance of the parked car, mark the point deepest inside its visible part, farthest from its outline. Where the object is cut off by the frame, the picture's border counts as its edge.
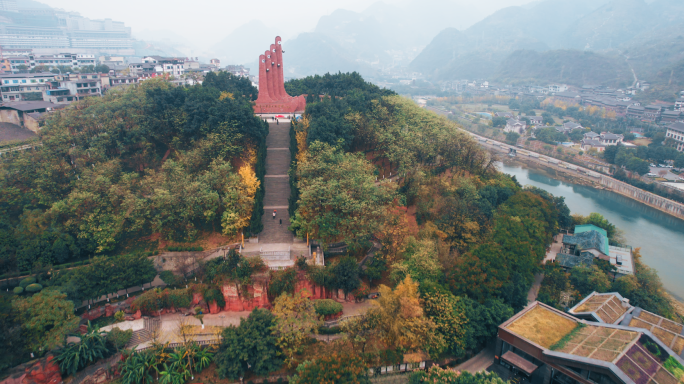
(652, 165)
(662, 166)
(651, 174)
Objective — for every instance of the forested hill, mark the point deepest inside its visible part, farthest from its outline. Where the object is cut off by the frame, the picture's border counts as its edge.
(151, 159)
(566, 66)
(368, 164)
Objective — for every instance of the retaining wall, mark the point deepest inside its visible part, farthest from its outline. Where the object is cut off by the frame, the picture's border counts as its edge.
(666, 205)
(652, 200)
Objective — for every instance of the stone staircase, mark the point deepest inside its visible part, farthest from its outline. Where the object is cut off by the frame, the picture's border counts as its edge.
(146, 334)
(277, 186)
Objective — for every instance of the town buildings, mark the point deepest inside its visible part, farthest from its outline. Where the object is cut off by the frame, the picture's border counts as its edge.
(601, 340)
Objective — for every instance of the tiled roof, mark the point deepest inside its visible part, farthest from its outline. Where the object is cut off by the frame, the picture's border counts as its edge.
(572, 261)
(588, 240)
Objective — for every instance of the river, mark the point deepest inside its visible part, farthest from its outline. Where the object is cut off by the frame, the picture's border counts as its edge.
(660, 236)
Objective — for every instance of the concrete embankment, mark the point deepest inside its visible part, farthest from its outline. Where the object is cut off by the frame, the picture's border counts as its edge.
(588, 176)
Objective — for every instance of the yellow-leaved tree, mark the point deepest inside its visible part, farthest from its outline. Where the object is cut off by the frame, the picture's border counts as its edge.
(241, 201)
(401, 322)
(296, 318)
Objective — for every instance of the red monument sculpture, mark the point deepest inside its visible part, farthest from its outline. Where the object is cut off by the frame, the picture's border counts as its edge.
(272, 95)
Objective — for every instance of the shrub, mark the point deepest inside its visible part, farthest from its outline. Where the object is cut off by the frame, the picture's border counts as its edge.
(213, 294)
(329, 331)
(118, 338)
(177, 298)
(119, 316)
(327, 307)
(18, 290)
(148, 302)
(171, 279)
(27, 281)
(32, 288)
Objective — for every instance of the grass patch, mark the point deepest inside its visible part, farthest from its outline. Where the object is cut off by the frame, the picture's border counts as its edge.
(565, 339)
(674, 367)
(542, 326)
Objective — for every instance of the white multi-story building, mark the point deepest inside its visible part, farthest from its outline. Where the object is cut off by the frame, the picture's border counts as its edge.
(676, 133)
(555, 88)
(75, 86)
(168, 65)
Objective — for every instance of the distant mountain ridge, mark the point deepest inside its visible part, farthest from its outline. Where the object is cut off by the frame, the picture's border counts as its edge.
(518, 43)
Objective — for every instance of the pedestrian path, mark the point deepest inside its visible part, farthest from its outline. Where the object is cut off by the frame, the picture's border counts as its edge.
(277, 186)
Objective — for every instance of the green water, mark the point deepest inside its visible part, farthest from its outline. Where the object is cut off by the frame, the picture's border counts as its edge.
(660, 236)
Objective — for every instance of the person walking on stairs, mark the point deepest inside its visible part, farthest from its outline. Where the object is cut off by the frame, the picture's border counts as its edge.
(281, 221)
(274, 213)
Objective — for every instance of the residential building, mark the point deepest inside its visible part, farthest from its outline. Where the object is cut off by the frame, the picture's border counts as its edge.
(141, 69)
(240, 70)
(173, 66)
(569, 127)
(570, 98)
(216, 63)
(122, 81)
(601, 340)
(635, 112)
(75, 86)
(536, 120)
(515, 125)
(676, 132)
(555, 88)
(652, 113)
(24, 86)
(507, 115)
(587, 144)
(26, 113)
(608, 138)
(590, 242)
(672, 116)
(679, 104)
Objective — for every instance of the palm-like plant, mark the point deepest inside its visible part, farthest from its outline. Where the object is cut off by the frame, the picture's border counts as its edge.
(137, 367)
(171, 376)
(75, 356)
(203, 359)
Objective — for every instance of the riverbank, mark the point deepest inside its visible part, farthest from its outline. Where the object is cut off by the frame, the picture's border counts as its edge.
(581, 175)
(659, 235)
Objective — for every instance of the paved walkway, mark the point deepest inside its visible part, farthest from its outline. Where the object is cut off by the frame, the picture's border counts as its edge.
(277, 185)
(479, 362)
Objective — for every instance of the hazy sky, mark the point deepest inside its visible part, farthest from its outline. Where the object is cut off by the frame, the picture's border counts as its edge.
(209, 21)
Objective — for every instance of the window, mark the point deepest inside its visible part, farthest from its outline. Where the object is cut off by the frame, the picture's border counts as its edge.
(6, 81)
(23, 81)
(15, 81)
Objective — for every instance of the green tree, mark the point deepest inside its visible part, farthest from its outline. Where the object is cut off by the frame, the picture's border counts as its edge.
(679, 161)
(512, 137)
(639, 166)
(373, 269)
(338, 196)
(484, 320)
(332, 369)
(46, 318)
(589, 279)
(346, 274)
(251, 346)
(498, 122)
(547, 119)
